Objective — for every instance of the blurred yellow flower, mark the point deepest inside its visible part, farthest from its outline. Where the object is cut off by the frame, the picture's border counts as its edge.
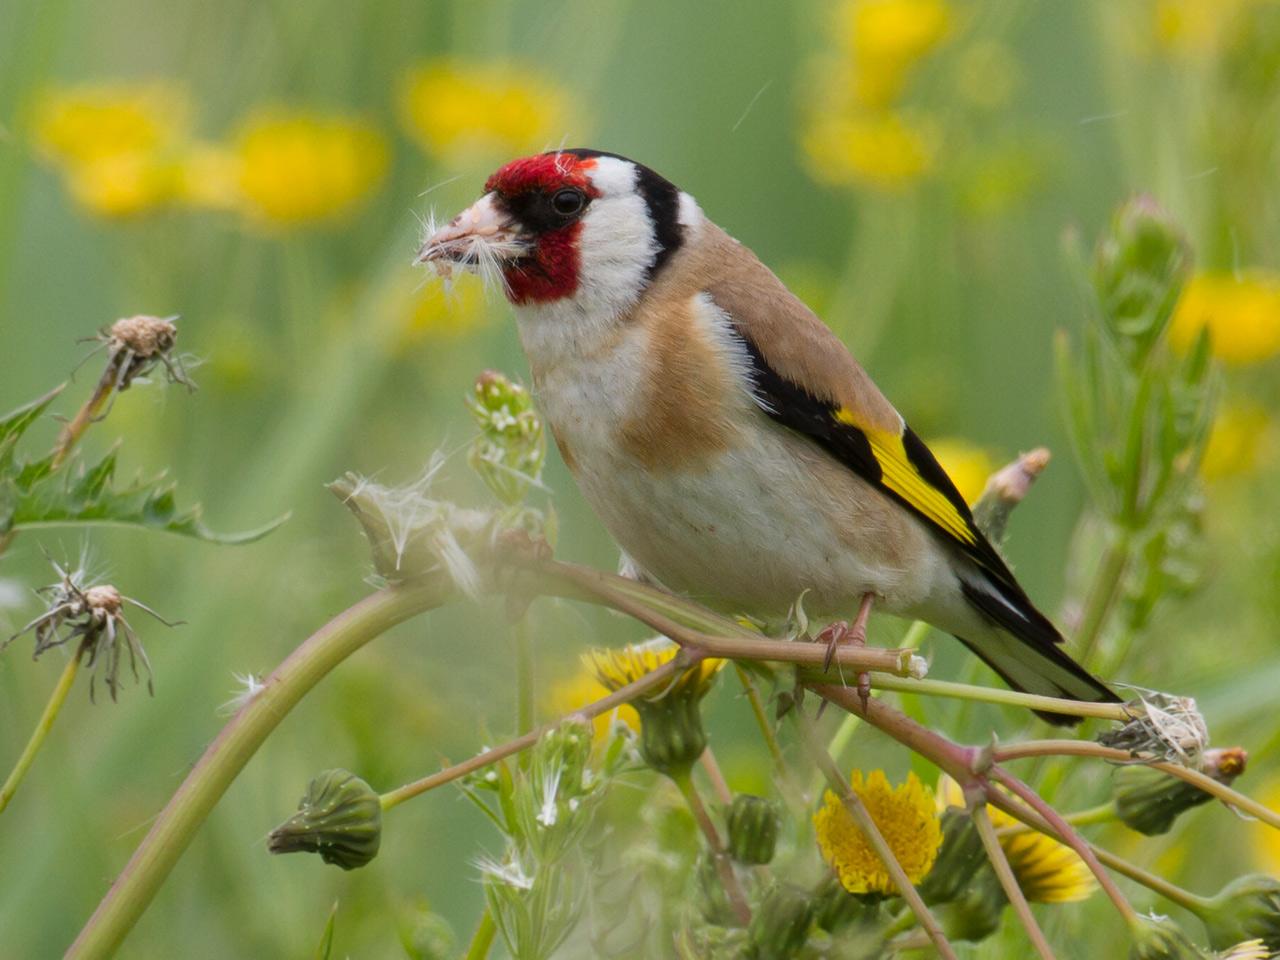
(1046, 870)
(906, 816)
(967, 465)
(887, 151)
(296, 167)
(616, 668)
(886, 39)
(1242, 314)
(1239, 440)
(1193, 28)
(452, 107)
(1266, 848)
(572, 693)
(115, 143)
(431, 312)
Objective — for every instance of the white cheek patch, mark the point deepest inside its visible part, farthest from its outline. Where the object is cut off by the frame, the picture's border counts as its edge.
(616, 248)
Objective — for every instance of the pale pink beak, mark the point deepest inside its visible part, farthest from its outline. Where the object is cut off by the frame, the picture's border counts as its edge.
(480, 232)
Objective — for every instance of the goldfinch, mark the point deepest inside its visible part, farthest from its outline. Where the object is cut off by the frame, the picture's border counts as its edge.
(724, 435)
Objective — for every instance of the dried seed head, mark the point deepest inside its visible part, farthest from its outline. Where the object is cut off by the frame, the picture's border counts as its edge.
(1164, 726)
(94, 615)
(146, 336)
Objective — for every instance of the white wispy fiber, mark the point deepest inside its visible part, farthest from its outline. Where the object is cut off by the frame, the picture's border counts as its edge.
(410, 514)
(481, 253)
(548, 812)
(248, 686)
(511, 874)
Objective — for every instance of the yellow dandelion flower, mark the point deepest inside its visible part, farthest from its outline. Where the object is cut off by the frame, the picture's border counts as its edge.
(967, 465)
(616, 668)
(86, 123)
(1047, 871)
(1242, 314)
(672, 736)
(114, 143)
(1241, 437)
(298, 167)
(885, 151)
(453, 107)
(122, 185)
(886, 39)
(574, 692)
(907, 817)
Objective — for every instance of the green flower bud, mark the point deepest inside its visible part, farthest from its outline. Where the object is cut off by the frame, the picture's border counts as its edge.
(672, 737)
(780, 925)
(1246, 909)
(835, 908)
(959, 858)
(511, 448)
(427, 936)
(339, 818)
(753, 829)
(1161, 940)
(975, 913)
(1149, 800)
(1138, 272)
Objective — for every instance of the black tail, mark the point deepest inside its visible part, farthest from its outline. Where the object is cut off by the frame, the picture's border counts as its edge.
(1024, 649)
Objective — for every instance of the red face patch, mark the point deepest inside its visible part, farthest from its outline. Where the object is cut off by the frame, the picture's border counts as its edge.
(551, 269)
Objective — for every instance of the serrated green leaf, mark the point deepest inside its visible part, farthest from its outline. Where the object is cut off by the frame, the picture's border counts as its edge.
(15, 423)
(89, 497)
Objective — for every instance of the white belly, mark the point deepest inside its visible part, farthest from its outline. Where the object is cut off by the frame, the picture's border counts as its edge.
(745, 529)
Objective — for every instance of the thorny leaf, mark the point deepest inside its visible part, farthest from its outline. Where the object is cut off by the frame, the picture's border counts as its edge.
(33, 497)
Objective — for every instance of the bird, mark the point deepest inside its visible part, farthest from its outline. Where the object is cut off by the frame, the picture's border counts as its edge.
(724, 435)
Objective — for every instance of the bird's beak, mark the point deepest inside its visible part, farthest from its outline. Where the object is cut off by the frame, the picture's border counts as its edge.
(480, 234)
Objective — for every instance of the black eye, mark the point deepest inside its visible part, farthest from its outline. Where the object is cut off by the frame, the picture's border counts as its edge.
(568, 202)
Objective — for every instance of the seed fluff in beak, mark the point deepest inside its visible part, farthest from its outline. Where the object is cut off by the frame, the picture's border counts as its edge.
(481, 239)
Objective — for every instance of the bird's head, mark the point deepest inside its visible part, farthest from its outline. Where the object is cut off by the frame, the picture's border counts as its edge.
(576, 227)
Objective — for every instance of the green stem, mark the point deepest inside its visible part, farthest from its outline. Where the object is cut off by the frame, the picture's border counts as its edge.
(1000, 863)
(1102, 813)
(965, 691)
(762, 719)
(737, 899)
(43, 726)
(866, 823)
(1107, 585)
(1086, 748)
(1066, 834)
(637, 688)
(223, 760)
(524, 674)
(1171, 892)
(482, 941)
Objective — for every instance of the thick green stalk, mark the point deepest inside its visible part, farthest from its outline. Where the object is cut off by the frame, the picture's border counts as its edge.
(51, 709)
(482, 941)
(204, 786)
(524, 674)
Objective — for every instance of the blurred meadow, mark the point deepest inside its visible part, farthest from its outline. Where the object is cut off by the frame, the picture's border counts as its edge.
(261, 170)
